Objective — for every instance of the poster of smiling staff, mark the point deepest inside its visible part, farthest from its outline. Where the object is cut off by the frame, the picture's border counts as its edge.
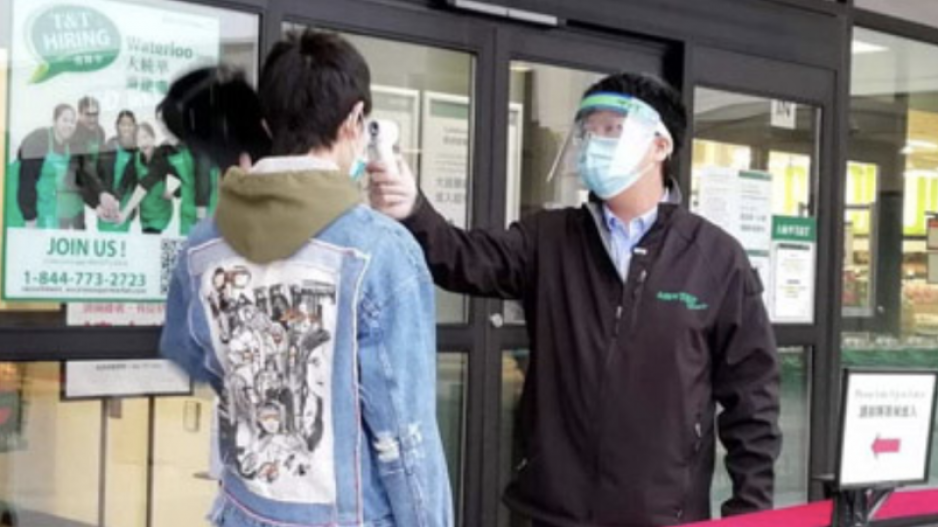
(85, 137)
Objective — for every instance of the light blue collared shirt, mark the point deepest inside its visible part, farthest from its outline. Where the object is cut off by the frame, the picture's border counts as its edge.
(624, 237)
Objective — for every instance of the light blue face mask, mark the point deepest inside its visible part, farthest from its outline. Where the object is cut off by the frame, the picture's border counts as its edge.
(357, 171)
(597, 170)
(608, 155)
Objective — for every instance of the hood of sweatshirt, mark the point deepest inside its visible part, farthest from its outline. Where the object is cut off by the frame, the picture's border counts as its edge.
(268, 216)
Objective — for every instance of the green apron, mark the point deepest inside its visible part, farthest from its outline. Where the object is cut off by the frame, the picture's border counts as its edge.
(13, 216)
(122, 159)
(155, 211)
(56, 201)
(213, 197)
(184, 164)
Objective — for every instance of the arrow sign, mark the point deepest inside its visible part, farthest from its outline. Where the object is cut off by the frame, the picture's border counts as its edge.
(886, 446)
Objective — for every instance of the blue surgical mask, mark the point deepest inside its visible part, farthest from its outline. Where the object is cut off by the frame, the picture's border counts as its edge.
(597, 172)
(357, 171)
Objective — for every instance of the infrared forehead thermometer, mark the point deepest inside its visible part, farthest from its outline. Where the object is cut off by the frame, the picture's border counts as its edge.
(383, 136)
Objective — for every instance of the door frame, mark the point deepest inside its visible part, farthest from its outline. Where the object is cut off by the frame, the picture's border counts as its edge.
(752, 75)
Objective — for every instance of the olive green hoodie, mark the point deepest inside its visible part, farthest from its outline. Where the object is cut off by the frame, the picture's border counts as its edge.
(269, 216)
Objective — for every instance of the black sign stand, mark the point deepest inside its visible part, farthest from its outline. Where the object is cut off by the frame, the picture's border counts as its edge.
(857, 507)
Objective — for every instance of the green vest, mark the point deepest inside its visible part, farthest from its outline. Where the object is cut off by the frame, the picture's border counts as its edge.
(55, 198)
(155, 211)
(122, 159)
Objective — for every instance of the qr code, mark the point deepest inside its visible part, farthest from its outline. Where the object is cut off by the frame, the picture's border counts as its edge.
(169, 253)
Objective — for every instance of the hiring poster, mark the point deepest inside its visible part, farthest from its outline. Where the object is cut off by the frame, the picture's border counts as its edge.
(4, 68)
(98, 197)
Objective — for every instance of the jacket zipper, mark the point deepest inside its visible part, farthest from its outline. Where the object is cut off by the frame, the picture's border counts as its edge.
(689, 469)
(620, 311)
(637, 298)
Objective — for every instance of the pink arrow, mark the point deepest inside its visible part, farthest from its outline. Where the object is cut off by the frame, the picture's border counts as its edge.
(886, 446)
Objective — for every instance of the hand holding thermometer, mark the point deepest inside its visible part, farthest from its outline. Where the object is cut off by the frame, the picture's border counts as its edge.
(383, 136)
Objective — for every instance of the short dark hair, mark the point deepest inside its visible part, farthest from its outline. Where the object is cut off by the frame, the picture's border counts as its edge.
(87, 102)
(309, 84)
(216, 112)
(126, 113)
(60, 109)
(659, 95)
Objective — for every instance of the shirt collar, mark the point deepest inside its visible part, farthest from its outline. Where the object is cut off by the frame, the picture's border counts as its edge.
(642, 223)
(307, 163)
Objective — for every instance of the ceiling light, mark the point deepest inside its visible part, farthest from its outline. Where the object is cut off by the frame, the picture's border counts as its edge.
(861, 48)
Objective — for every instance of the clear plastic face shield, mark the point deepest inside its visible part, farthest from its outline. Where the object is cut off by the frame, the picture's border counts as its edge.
(607, 148)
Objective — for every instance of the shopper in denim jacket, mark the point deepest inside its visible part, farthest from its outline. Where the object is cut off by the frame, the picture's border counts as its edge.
(313, 318)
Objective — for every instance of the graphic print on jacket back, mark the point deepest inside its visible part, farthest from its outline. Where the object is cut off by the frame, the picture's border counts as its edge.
(273, 330)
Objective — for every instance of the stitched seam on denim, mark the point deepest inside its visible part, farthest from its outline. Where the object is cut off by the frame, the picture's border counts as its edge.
(357, 391)
(257, 517)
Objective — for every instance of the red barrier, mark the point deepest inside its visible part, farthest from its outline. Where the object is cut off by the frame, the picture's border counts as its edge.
(913, 503)
(814, 515)
(900, 505)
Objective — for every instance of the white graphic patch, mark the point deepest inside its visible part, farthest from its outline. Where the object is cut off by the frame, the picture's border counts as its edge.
(273, 329)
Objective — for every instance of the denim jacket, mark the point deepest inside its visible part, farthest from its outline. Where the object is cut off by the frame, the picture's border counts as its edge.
(323, 357)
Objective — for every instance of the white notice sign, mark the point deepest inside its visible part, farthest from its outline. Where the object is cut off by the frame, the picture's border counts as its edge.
(794, 248)
(444, 163)
(740, 202)
(784, 115)
(124, 378)
(887, 427)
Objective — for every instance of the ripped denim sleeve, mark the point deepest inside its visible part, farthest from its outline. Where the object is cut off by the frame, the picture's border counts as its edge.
(397, 360)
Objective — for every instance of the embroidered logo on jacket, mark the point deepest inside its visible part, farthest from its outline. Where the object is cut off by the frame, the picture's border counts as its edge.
(273, 331)
(690, 301)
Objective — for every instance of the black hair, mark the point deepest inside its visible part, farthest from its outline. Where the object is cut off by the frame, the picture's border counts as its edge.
(87, 102)
(60, 109)
(310, 83)
(216, 112)
(657, 94)
(125, 113)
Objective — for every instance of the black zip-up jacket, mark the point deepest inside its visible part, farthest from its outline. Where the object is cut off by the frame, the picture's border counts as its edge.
(618, 412)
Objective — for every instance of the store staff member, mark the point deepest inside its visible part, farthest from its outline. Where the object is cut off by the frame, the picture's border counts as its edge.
(87, 146)
(150, 169)
(116, 170)
(47, 195)
(642, 317)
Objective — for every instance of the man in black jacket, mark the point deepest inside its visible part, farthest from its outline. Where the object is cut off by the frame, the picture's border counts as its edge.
(642, 318)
